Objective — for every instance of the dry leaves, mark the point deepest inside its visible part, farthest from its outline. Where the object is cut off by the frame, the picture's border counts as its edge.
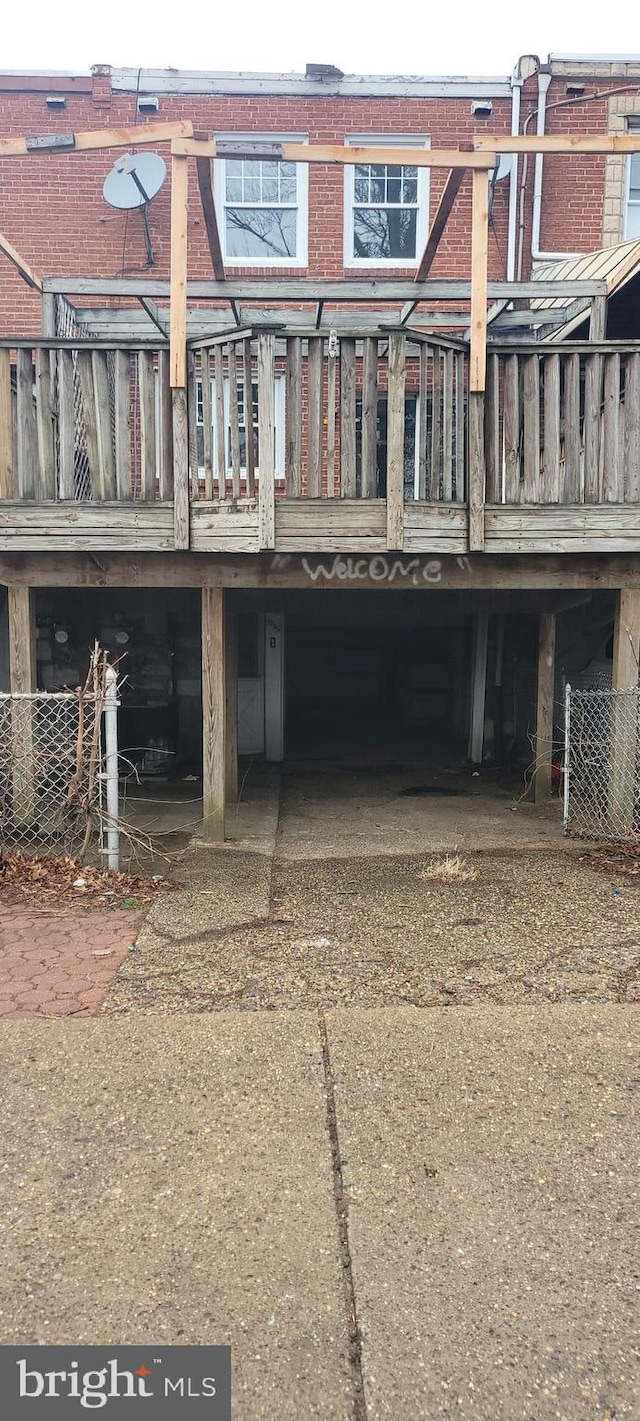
(66, 881)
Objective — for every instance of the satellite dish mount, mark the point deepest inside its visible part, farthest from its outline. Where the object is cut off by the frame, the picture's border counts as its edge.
(134, 181)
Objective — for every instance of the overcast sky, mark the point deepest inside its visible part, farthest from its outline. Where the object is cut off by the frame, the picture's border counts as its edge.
(417, 38)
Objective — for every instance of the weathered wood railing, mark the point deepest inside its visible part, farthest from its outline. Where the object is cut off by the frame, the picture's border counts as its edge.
(351, 416)
(562, 424)
(84, 421)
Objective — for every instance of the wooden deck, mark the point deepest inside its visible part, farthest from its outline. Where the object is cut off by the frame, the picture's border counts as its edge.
(304, 445)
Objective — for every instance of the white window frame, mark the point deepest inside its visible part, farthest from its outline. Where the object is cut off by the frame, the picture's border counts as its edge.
(633, 126)
(279, 425)
(391, 141)
(301, 258)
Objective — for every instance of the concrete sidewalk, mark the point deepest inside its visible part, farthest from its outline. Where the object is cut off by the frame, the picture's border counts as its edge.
(464, 1180)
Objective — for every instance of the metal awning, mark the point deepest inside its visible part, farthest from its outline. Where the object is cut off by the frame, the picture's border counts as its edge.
(615, 265)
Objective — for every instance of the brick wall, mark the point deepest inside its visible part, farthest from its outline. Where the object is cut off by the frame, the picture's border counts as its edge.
(54, 213)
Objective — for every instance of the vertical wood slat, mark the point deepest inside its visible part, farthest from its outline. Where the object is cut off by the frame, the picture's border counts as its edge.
(492, 431)
(104, 430)
(214, 713)
(44, 417)
(66, 426)
(146, 396)
(234, 425)
(612, 490)
(550, 481)
(460, 427)
(314, 416)
(207, 424)
(572, 442)
(293, 418)
(447, 431)
(421, 433)
(27, 432)
(122, 395)
(511, 422)
(395, 441)
(250, 454)
(331, 425)
(632, 431)
(85, 370)
(6, 427)
(221, 449)
(166, 426)
(592, 420)
(266, 407)
(193, 486)
(348, 418)
(530, 488)
(369, 463)
(436, 425)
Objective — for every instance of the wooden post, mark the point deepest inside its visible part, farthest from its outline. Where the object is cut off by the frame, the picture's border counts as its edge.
(22, 681)
(478, 356)
(178, 348)
(598, 319)
(624, 716)
(266, 450)
(231, 709)
(479, 687)
(6, 427)
(395, 441)
(214, 713)
(544, 706)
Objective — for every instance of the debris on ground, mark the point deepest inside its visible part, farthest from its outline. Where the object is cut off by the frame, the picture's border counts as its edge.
(450, 868)
(617, 858)
(64, 881)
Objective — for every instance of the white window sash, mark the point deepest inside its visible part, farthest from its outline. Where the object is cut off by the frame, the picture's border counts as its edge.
(300, 206)
(421, 207)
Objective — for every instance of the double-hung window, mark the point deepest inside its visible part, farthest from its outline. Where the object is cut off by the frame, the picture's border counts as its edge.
(632, 215)
(386, 207)
(262, 207)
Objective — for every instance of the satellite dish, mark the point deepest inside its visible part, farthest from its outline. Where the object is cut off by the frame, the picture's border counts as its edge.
(505, 165)
(134, 180)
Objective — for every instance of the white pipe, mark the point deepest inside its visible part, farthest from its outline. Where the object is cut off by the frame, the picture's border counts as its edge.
(544, 81)
(111, 767)
(516, 92)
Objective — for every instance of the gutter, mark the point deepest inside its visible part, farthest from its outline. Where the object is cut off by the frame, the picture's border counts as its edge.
(544, 80)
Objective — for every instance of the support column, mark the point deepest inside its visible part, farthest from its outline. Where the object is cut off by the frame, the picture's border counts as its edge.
(544, 707)
(231, 696)
(624, 716)
(22, 680)
(214, 714)
(479, 687)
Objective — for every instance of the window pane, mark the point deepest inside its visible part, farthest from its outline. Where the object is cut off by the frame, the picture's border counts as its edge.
(393, 190)
(251, 192)
(633, 220)
(384, 234)
(251, 168)
(393, 171)
(410, 190)
(234, 189)
(287, 170)
(362, 190)
(269, 190)
(287, 190)
(266, 232)
(377, 192)
(234, 168)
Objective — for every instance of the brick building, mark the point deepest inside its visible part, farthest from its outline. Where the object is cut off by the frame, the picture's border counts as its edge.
(460, 668)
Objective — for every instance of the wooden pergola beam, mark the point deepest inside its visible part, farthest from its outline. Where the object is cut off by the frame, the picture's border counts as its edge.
(443, 213)
(100, 138)
(21, 266)
(205, 184)
(557, 143)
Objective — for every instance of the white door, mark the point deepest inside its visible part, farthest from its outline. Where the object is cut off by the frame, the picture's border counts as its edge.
(250, 715)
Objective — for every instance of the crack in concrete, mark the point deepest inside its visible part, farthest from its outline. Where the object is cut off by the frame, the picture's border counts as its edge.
(342, 1216)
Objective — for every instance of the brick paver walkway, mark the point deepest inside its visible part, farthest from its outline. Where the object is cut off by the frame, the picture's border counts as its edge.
(60, 965)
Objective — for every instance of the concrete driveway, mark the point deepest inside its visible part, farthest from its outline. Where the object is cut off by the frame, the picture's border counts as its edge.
(388, 1213)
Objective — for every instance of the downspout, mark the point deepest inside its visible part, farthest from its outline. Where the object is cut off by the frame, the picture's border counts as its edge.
(544, 80)
(516, 81)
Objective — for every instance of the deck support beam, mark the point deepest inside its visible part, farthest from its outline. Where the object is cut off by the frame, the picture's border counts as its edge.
(231, 708)
(624, 717)
(214, 714)
(544, 707)
(479, 687)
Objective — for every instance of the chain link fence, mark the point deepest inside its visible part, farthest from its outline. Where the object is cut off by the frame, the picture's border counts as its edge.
(602, 763)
